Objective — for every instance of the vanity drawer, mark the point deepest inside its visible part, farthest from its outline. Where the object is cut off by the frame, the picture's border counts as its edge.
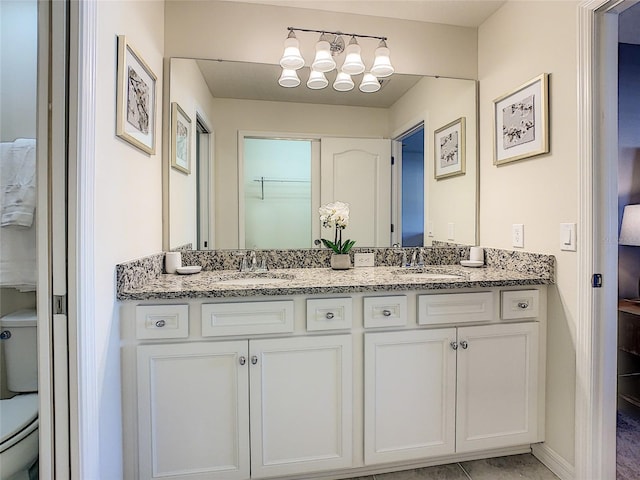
(385, 311)
(455, 308)
(247, 318)
(329, 314)
(519, 304)
(162, 321)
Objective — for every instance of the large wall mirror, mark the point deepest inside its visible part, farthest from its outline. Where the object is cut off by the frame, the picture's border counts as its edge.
(237, 189)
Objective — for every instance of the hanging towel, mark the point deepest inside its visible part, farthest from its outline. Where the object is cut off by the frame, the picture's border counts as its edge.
(18, 183)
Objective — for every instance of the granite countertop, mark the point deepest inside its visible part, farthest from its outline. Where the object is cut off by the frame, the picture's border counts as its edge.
(295, 281)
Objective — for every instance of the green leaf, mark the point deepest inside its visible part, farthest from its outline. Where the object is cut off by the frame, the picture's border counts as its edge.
(347, 245)
(331, 245)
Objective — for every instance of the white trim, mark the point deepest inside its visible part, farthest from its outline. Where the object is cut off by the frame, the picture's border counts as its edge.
(595, 399)
(86, 455)
(553, 461)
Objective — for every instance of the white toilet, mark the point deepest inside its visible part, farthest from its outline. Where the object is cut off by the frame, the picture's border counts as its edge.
(19, 414)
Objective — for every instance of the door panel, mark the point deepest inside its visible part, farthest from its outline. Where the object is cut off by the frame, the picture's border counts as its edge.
(357, 171)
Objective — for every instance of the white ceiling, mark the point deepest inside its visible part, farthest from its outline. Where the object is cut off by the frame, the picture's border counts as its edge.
(466, 13)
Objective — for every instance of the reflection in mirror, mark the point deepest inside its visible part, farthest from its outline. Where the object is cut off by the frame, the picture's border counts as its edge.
(234, 97)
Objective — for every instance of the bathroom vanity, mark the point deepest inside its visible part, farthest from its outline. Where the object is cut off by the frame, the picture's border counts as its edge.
(312, 373)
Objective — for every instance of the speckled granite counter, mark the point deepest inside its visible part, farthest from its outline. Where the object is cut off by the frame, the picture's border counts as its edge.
(293, 281)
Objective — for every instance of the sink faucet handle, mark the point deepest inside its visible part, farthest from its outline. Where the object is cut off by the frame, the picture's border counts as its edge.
(404, 259)
(420, 257)
(243, 264)
(254, 262)
(413, 259)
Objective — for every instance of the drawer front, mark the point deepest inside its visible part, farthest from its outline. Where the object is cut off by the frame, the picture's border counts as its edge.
(519, 304)
(247, 318)
(385, 311)
(329, 314)
(162, 321)
(455, 308)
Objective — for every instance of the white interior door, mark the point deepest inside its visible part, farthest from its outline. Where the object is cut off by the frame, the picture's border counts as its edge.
(357, 171)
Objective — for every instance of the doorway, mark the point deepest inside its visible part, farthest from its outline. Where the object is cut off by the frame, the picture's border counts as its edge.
(204, 199)
(410, 187)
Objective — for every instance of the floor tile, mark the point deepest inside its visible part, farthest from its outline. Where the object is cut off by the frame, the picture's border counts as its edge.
(524, 466)
(440, 472)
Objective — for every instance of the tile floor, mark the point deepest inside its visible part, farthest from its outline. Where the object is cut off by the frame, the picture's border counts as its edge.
(523, 467)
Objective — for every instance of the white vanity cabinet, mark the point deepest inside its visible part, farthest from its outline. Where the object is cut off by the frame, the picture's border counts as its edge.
(244, 409)
(451, 390)
(256, 388)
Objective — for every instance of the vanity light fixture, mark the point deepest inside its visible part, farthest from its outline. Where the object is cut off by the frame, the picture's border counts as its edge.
(329, 46)
(317, 80)
(289, 78)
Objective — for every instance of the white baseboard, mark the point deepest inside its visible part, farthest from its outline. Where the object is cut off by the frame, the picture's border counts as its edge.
(553, 461)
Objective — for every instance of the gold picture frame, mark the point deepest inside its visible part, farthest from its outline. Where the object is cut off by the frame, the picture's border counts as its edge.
(521, 122)
(180, 139)
(135, 99)
(449, 146)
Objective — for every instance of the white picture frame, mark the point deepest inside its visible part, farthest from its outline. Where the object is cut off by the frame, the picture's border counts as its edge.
(521, 122)
(449, 147)
(135, 98)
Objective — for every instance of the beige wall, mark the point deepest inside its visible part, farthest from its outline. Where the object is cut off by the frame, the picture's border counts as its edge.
(438, 102)
(128, 204)
(520, 41)
(190, 91)
(255, 33)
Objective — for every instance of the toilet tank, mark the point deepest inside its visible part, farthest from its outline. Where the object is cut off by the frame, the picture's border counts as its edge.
(20, 350)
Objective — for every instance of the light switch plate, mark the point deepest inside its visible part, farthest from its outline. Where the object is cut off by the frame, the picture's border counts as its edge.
(517, 235)
(363, 260)
(451, 231)
(568, 237)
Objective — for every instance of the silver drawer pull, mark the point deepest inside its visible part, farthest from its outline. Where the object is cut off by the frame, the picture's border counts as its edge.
(243, 360)
(160, 323)
(329, 315)
(386, 313)
(523, 305)
(5, 335)
(454, 345)
(464, 344)
(254, 359)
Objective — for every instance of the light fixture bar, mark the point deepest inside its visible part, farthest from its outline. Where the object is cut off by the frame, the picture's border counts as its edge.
(335, 33)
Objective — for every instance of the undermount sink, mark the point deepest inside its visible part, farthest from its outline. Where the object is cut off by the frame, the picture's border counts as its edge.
(254, 278)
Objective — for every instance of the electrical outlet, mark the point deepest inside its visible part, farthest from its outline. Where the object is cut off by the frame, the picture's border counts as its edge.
(517, 235)
(430, 230)
(363, 260)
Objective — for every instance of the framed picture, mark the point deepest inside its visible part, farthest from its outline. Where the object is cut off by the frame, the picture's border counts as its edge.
(449, 149)
(521, 122)
(180, 139)
(136, 99)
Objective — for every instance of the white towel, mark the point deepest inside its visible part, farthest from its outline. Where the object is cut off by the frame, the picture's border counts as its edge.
(18, 183)
(18, 267)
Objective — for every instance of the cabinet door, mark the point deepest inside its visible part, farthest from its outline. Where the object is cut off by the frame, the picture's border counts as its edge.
(497, 386)
(193, 411)
(409, 395)
(301, 405)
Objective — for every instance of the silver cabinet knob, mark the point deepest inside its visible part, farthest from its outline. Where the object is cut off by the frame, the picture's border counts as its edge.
(254, 359)
(243, 360)
(523, 305)
(329, 315)
(454, 345)
(5, 335)
(161, 323)
(386, 313)
(464, 344)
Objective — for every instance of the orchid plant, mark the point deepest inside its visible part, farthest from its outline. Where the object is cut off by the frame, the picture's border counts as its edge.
(336, 215)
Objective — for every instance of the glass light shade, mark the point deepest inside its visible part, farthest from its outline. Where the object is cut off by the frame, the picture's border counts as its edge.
(324, 61)
(630, 229)
(289, 78)
(369, 83)
(382, 64)
(343, 82)
(291, 58)
(353, 64)
(317, 80)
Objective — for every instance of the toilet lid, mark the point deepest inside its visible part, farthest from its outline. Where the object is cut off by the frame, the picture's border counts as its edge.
(16, 414)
